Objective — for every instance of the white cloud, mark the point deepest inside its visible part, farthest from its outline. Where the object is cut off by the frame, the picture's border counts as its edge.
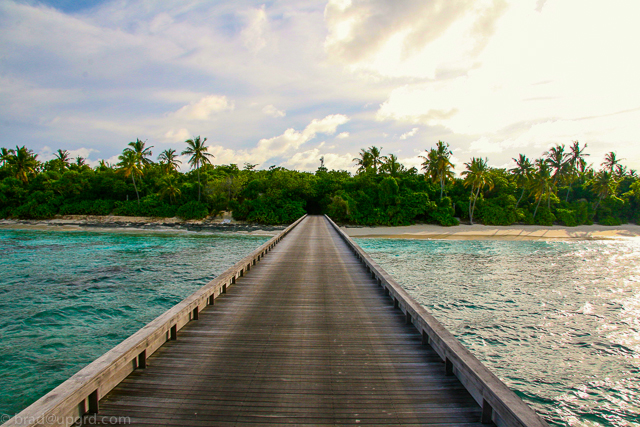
(205, 108)
(310, 161)
(537, 72)
(281, 145)
(410, 37)
(272, 111)
(342, 135)
(253, 35)
(409, 134)
(177, 135)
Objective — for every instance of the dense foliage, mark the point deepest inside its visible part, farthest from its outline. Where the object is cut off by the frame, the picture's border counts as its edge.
(559, 187)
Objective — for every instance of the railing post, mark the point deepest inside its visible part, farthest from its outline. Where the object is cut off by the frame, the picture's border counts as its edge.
(173, 334)
(425, 337)
(142, 360)
(448, 367)
(487, 412)
(94, 403)
(196, 313)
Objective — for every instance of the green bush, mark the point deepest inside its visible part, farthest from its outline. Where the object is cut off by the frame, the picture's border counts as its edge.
(545, 217)
(443, 213)
(493, 214)
(128, 208)
(567, 217)
(610, 220)
(193, 210)
(33, 210)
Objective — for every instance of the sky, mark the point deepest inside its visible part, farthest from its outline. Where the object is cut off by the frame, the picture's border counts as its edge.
(285, 82)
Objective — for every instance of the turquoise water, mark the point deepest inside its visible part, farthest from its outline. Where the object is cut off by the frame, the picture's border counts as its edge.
(68, 297)
(557, 321)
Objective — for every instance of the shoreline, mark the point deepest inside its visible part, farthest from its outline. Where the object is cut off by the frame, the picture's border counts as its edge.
(496, 232)
(226, 224)
(119, 224)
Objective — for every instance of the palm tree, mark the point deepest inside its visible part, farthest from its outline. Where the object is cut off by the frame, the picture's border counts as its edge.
(476, 175)
(543, 183)
(5, 154)
(199, 156)
(377, 158)
(170, 160)
(438, 165)
(557, 159)
(80, 161)
(604, 185)
(620, 172)
(169, 188)
(23, 162)
(62, 157)
(392, 166)
(522, 172)
(610, 161)
(103, 165)
(364, 162)
(129, 165)
(141, 152)
(576, 164)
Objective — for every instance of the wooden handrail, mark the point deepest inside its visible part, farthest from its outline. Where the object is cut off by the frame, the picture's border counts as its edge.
(499, 404)
(80, 394)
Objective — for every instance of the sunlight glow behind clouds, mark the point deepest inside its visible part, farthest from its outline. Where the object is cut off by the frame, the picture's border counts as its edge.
(491, 77)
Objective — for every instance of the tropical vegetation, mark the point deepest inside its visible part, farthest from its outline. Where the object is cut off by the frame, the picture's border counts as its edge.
(560, 187)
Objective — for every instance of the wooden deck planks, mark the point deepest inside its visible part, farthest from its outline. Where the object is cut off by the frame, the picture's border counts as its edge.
(304, 338)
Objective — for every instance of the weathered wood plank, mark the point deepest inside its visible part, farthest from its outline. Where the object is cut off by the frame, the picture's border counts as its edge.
(306, 337)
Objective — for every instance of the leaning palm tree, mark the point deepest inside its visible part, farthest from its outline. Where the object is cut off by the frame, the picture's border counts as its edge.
(23, 162)
(199, 156)
(477, 175)
(169, 159)
(141, 152)
(522, 172)
(129, 166)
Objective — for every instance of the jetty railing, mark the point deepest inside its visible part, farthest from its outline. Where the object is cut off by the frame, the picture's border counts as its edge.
(499, 404)
(80, 395)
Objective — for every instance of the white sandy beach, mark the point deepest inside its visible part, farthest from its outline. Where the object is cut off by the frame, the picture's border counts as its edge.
(511, 232)
(419, 231)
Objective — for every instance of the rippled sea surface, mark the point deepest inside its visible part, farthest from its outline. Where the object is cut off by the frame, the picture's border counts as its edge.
(557, 321)
(68, 297)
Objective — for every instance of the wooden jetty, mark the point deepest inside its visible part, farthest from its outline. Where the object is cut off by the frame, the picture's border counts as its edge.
(306, 330)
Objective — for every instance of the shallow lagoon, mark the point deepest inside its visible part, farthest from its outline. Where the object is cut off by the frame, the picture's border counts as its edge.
(68, 297)
(557, 321)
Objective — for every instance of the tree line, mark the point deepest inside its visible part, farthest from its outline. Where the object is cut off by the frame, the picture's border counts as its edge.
(559, 187)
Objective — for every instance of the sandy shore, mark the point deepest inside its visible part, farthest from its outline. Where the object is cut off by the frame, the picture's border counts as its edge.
(227, 224)
(512, 232)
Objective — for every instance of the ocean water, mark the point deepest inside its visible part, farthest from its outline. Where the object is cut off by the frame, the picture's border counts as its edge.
(68, 297)
(557, 321)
